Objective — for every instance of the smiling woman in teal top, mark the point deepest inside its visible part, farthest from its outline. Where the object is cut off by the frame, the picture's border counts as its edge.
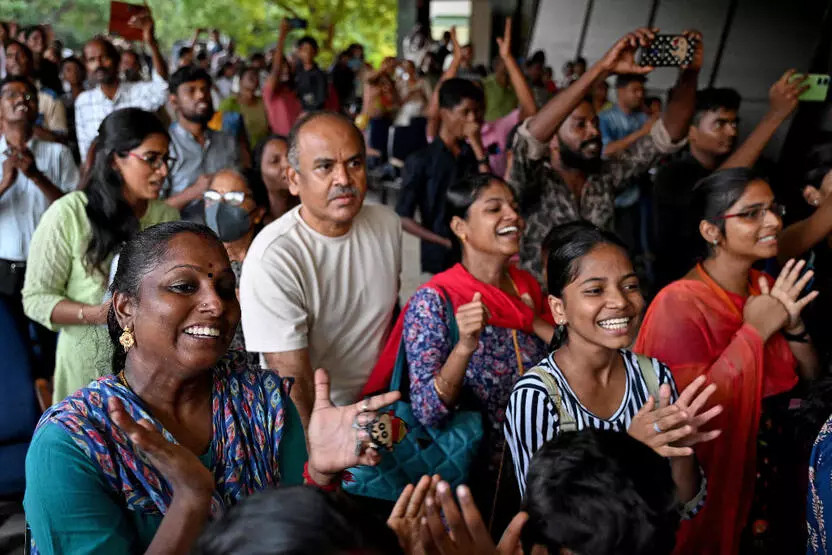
(181, 430)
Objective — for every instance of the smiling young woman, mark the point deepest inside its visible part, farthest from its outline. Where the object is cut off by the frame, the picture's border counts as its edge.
(742, 330)
(590, 380)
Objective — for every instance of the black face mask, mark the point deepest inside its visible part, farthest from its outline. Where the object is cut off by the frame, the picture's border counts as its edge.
(228, 222)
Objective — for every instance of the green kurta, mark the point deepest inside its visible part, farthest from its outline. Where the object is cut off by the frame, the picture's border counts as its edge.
(56, 271)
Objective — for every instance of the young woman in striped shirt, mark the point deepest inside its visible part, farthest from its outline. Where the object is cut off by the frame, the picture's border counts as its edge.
(590, 379)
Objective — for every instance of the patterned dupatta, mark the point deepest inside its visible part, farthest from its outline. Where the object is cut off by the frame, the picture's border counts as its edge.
(248, 416)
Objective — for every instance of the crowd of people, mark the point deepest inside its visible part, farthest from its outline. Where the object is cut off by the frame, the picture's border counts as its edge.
(617, 337)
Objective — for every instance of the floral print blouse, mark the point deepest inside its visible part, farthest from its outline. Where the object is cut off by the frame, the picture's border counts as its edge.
(491, 373)
(820, 492)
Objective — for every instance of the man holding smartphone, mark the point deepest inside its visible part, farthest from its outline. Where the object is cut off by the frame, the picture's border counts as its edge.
(558, 169)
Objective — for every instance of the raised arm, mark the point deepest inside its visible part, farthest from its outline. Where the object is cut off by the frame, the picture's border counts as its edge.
(682, 102)
(525, 98)
(433, 108)
(805, 234)
(296, 364)
(619, 59)
(144, 21)
(782, 101)
(273, 81)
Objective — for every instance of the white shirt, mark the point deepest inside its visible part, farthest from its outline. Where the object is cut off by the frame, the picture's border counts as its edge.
(23, 204)
(91, 107)
(331, 295)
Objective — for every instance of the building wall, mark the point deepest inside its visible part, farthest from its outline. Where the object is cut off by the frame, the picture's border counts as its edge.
(765, 38)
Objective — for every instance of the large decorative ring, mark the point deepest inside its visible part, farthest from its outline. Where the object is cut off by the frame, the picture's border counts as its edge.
(656, 427)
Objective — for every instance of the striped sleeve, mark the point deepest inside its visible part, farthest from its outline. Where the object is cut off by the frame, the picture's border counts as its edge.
(531, 420)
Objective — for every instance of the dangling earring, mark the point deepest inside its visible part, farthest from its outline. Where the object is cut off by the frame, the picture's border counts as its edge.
(127, 339)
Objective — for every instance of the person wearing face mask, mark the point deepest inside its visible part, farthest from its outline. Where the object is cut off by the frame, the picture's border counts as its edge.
(271, 162)
(234, 210)
(743, 331)
(557, 165)
(199, 150)
(73, 246)
(499, 312)
(590, 380)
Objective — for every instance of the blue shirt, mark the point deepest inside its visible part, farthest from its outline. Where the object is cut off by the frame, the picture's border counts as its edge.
(616, 125)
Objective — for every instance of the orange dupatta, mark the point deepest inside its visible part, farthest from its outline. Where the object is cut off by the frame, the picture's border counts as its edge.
(696, 328)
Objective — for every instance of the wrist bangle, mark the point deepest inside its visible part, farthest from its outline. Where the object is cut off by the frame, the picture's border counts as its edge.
(81, 314)
(307, 480)
(802, 337)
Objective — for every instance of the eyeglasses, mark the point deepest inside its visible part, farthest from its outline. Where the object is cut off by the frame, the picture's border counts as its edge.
(14, 95)
(757, 213)
(155, 161)
(234, 198)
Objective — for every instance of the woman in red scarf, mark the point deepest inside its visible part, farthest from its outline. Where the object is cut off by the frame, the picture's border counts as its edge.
(742, 330)
(498, 310)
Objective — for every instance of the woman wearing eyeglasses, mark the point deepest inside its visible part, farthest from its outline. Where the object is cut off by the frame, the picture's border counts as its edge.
(234, 210)
(73, 246)
(743, 330)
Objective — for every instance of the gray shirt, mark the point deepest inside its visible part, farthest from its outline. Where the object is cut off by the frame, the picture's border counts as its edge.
(220, 152)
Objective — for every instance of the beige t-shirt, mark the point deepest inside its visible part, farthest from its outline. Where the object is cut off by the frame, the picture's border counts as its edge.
(332, 295)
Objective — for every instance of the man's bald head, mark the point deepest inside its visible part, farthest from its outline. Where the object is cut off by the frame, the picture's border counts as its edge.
(320, 118)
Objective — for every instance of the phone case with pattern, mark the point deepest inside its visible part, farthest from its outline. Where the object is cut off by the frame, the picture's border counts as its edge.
(668, 51)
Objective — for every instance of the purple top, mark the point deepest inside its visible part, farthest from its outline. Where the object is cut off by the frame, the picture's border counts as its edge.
(491, 373)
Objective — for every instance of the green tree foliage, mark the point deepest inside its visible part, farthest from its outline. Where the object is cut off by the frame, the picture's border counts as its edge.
(252, 23)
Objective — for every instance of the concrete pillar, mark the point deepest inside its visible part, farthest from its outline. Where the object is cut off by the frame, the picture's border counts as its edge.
(481, 36)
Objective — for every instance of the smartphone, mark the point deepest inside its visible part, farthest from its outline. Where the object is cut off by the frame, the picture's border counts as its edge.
(667, 51)
(297, 23)
(818, 87)
(120, 14)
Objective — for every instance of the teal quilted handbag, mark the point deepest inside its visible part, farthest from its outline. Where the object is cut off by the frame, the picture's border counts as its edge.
(418, 450)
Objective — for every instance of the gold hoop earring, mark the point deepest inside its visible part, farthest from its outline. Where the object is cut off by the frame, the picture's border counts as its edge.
(127, 339)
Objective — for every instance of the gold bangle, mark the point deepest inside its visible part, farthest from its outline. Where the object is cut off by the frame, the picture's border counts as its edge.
(439, 391)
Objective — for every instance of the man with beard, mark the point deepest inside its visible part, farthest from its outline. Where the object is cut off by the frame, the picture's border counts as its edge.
(110, 93)
(199, 151)
(35, 172)
(558, 170)
(319, 284)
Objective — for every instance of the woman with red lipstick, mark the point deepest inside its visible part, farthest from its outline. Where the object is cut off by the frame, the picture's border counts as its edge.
(590, 380)
(742, 331)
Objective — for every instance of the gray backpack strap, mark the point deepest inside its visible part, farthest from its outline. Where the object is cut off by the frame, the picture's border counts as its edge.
(566, 422)
(645, 363)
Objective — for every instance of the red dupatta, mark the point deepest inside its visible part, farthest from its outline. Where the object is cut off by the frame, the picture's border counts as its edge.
(507, 311)
(697, 328)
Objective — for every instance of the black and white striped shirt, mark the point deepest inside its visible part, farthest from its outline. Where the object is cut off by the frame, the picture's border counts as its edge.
(531, 418)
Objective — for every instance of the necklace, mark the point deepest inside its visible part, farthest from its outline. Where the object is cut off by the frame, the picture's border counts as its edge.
(123, 380)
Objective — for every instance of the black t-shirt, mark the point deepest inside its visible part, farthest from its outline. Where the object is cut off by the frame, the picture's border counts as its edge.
(312, 87)
(427, 176)
(678, 243)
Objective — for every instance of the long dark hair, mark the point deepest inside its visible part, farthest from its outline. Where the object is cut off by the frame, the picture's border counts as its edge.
(563, 248)
(112, 220)
(139, 256)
